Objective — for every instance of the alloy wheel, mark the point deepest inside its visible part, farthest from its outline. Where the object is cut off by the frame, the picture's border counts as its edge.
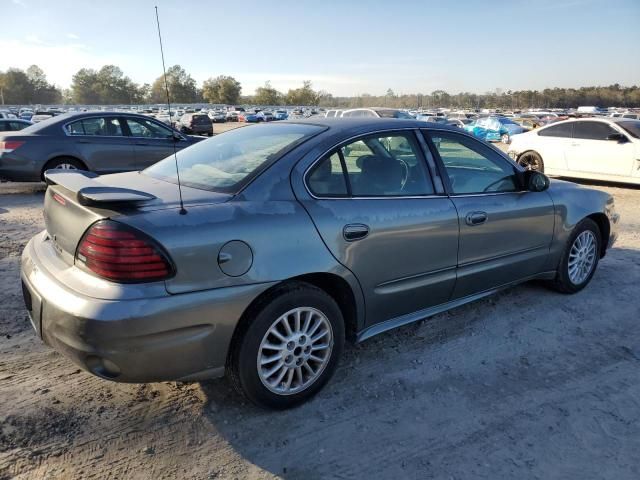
(295, 350)
(582, 257)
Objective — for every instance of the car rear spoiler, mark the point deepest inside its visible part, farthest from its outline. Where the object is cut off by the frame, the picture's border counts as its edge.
(92, 192)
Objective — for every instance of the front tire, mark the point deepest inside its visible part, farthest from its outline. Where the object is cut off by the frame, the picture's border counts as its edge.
(531, 161)
(287, 347)
(579, 259)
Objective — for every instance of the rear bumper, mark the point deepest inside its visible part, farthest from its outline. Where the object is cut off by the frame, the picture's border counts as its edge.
(19, 169)
(171, 337)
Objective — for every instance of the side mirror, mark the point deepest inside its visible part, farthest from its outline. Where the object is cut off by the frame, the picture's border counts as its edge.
(536, 181)
(617, 137)
(177, 137)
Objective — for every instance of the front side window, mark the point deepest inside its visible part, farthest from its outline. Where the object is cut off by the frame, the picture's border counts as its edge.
(96, 126)
(147, 129)
(592, 130)
(563, 130)
(472, 167)
(387, 165)
(228, 161)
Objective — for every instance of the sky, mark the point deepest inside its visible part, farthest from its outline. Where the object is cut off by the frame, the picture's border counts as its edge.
(346, 47)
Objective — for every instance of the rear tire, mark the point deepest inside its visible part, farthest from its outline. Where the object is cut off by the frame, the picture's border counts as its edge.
(274, 365)
(63, 163)
(531, 161)
(579, 259)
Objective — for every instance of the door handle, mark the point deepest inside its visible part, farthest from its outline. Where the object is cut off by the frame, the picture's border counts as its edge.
(84, 141)
(141, 143)
(476, 218)
(355, 231)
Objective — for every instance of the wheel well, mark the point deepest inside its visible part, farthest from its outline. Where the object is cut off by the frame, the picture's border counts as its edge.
(334, 285)
(605, 230)
(338, 288)
(51, 160)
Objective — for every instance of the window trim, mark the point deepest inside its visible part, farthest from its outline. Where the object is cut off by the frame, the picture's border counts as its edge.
(65, 127)
(572, 123)
(152, 121)
(443, 169)
(607, 124)
(336, 147)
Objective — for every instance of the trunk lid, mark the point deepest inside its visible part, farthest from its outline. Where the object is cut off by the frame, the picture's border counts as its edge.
(75, 200)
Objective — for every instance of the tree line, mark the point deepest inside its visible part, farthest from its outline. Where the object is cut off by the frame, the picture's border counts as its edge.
(110, 86)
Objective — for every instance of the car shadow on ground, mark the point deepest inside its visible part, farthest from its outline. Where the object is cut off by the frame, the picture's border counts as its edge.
(402, 397)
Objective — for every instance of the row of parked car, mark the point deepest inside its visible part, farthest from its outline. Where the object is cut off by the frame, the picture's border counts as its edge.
(605, 148)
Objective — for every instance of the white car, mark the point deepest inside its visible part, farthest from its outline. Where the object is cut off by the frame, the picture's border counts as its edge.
(595, 148)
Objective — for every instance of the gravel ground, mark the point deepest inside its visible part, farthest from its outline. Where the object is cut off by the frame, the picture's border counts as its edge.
(526, 384)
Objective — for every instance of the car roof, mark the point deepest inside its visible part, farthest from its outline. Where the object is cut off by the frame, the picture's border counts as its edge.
(349, 123)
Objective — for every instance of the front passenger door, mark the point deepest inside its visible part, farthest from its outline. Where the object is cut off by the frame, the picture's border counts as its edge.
(152, 141)
(505, 231)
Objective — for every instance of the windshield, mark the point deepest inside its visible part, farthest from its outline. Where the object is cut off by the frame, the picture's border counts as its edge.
(228, 161)
(633, 127)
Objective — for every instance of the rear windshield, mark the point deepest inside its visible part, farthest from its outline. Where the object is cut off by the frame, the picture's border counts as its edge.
(200, 119)
(633, 127)
(227, 162)
(393, 114)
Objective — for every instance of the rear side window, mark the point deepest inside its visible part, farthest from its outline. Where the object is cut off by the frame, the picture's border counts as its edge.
(96, 126)
(563, 130)
(373, 166)
(592, 130)
(201, 119)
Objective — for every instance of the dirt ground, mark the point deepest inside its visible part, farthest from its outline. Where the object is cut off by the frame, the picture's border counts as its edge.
(526, 384)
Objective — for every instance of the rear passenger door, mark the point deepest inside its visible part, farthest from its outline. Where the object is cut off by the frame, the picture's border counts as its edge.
(505, 230)
(151, 140)
(101, 144)
(375, 205)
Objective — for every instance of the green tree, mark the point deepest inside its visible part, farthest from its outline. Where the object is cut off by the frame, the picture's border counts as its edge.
(222, 89)
(182, 87)
(302, 96)
(19, 87)
(267, 95)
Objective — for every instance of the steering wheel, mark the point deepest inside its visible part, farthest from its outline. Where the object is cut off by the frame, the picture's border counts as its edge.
(405, 167)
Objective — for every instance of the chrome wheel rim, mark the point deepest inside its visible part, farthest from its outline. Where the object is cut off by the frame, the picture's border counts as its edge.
(505, 138)
(65, 166)
(582, 257)
(295, 351)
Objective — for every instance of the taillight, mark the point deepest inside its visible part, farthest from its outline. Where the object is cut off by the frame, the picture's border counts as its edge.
(122, 254)
(10, 145)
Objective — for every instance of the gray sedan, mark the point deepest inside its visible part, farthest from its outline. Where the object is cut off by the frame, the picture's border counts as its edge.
(282, 240)
(103, 142)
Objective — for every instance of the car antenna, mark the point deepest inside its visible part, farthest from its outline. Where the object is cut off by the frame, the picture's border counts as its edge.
(166, 87)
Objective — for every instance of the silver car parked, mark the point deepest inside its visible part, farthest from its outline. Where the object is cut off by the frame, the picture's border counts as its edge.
(286, 238)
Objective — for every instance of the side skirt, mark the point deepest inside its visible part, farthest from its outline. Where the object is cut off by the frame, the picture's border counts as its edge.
(431, 311)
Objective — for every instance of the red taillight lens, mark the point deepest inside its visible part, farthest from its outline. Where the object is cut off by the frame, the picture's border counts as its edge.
(122, 254)
(10, 145)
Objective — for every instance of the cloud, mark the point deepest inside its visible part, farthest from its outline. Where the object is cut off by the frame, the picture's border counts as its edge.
(72, 36)
(19, 2)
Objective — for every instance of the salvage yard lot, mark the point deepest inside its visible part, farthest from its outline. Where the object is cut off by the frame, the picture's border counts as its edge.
(525, 384)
